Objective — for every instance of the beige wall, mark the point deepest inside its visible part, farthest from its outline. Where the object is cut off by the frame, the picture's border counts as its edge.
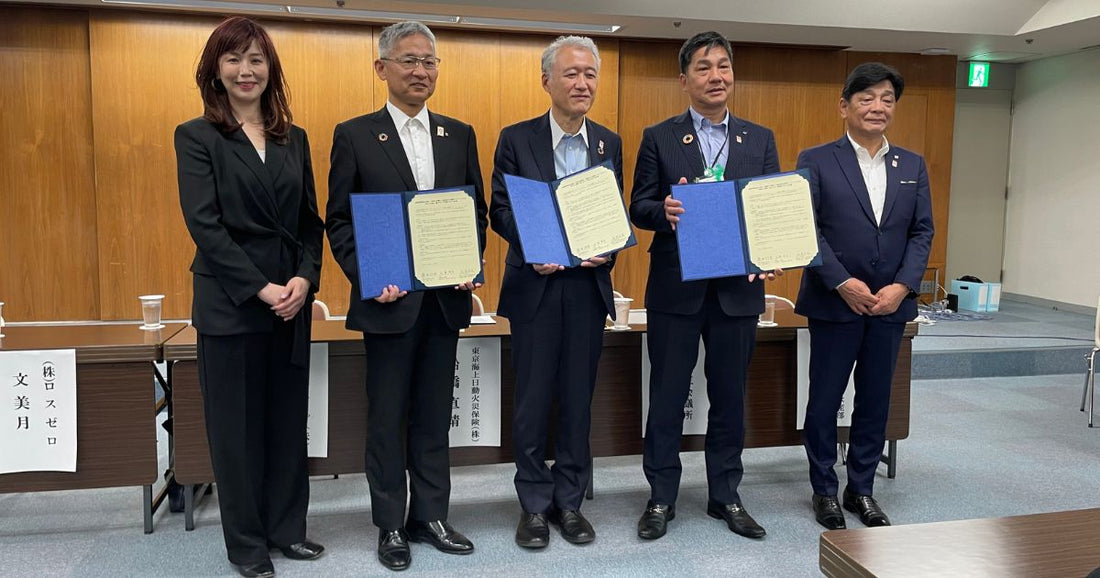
(979, 174)
(1052, 229)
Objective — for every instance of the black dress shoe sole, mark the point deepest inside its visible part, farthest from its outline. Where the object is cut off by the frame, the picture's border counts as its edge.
(746, 533)
(292, 555)
(533, 544)
(396, 567)
(250, 570)
(579, 541)
(837, 525)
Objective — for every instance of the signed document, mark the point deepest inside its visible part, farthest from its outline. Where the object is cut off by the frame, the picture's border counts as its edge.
(592, 213)
(570, 220)
(443, 235)
(415, 240)
(733, 228)
(779, 222)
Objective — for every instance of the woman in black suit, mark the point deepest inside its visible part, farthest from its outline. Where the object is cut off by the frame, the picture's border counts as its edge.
(247, 193)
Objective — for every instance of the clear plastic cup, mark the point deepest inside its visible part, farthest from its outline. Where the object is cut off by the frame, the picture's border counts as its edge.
(150, 311)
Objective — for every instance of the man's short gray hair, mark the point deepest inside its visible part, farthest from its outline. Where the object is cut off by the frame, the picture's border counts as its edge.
(394, 32)
(551, 51)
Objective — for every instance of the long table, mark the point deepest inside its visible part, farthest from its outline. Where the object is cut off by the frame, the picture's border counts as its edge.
(116, 406)
(1033, 546)
(616, 405)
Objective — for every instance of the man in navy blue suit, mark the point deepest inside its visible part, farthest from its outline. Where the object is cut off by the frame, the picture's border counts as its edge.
(556, 313)
(704, 143)
(874, 217)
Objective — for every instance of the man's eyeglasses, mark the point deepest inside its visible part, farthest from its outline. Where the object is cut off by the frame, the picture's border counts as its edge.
(410, 62)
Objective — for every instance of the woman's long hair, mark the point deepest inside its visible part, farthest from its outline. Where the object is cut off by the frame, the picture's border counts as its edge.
(236, 33)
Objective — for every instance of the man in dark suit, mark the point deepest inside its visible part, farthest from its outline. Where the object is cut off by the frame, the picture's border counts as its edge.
(410, 339)
(874, 218)
(557, 314)
(704, 143)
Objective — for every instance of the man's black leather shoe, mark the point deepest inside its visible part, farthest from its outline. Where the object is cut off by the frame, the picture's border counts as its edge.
(737, 518)
(393, 549)
(439, 534)
(654, 521)
(868, 509)
(304, 550)
(532, 531)
(827, 512)
(263, 569)
(574, 527)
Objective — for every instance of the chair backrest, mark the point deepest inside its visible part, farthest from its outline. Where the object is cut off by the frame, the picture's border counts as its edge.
(1096, 337)
(781, 303)
(479, 307)
(320, 310)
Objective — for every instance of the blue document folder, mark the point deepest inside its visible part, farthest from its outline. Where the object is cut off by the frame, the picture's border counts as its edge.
(711, 232)
(538, 220)
(383, 246)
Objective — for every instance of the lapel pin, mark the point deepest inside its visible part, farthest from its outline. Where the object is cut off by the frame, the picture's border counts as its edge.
(894, 163)
(383, 137)
(439, 131)
(738, 139)
(688, 138)
(599, 148)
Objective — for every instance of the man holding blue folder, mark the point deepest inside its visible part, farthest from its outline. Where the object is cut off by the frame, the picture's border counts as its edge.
(874, 217)
(411, 339)
(556, 313)
(706, 143)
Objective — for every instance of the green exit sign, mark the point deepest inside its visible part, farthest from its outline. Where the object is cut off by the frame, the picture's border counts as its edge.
(979, 75)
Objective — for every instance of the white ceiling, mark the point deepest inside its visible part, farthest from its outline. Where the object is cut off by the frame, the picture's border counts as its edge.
(999, 30)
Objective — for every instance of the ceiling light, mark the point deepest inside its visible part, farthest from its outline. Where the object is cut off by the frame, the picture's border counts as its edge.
(372, 15)
(211, 4)
(540, 25)
(935, 51)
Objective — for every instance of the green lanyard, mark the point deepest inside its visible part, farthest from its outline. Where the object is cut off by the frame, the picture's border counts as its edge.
(715, 172)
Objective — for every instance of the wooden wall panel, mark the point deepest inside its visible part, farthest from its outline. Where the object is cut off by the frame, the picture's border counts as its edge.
(48, 259)
(329, 70)
(143, 85)
(796, 93)
(649, 92)
(105, 204)
(135, 158)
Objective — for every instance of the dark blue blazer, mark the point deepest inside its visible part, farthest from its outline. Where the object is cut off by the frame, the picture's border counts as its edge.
(525, 150)
(365, 161)
(852, 245)
(665, 155)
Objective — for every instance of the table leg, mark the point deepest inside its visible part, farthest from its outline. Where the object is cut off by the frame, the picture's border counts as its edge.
(147, 506)
(891, 459)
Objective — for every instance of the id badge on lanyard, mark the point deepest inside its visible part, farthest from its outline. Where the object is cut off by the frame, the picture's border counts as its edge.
(712, 174)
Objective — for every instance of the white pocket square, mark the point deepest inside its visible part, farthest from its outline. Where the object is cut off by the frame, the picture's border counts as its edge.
(908, 182)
